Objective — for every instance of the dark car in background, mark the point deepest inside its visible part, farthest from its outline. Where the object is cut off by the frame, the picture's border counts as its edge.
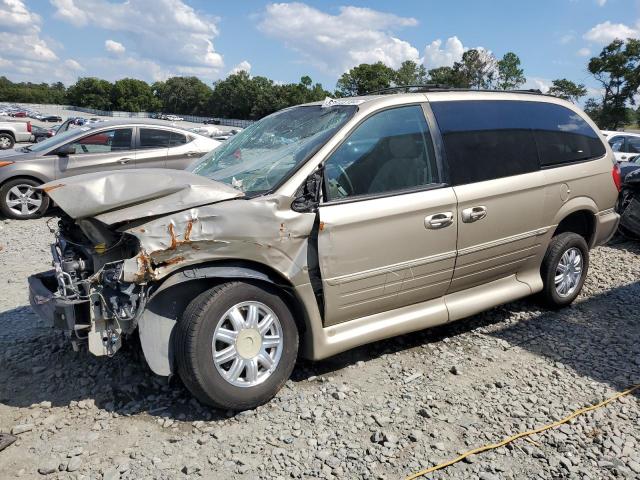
(51, 118)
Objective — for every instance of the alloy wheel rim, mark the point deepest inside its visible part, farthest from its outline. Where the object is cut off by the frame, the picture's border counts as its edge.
(568, 272)
(23, 200)
(247, 344)
(4, 142)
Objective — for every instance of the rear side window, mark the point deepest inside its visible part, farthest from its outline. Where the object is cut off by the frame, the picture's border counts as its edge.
(633, 144)
(488, 139)
(485, 140)
(154, 138)
(562, 135)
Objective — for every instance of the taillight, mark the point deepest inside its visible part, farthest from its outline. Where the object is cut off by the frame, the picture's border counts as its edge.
(29, 127)
(617, 179)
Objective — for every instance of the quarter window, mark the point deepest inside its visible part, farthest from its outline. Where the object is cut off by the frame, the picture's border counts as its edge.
(390, 151)
(104, 142)
(485, 140)
(562, 135)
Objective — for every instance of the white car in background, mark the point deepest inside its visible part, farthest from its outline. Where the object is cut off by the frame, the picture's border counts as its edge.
(625, 145)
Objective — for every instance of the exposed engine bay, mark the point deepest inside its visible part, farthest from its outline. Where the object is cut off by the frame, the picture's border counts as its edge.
(88, 265)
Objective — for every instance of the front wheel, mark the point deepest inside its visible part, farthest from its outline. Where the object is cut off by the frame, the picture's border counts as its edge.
(236, 345)
(564, 269)
(20, 200)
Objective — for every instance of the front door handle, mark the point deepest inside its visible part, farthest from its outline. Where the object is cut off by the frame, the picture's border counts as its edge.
(192, 154)
(474, 214)
(124, 161)
(438, 220)
(623, 157)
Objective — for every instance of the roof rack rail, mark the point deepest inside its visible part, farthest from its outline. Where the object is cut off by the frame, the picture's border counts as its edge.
(436, 87)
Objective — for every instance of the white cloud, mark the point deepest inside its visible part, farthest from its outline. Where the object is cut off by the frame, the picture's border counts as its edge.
(14, 15)
(112, 46)
(73, 64)
(168, 33)
(67, 10)
(583, 52)
(542, 84)
(243, 66)
(601, 3)
(26, 56)
(607, 32)
(335, 43)
(435, 56)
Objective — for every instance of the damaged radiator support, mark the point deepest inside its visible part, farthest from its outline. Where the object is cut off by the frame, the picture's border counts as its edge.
(96, 305)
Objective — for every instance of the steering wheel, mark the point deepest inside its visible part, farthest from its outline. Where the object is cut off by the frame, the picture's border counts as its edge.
(346, 177)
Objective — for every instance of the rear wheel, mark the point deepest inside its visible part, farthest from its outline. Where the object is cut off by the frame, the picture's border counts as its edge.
(564, 269)
(6, 141)
(20, 200)
(236, 345)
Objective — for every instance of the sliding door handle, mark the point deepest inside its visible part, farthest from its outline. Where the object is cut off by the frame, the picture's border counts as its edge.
(474, 214)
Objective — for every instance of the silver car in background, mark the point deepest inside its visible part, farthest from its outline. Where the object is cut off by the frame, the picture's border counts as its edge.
(113, 145)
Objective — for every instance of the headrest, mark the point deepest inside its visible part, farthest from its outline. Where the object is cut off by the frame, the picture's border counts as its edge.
(403, 146)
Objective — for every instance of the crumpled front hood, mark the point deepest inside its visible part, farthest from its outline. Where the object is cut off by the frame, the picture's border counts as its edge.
(122, 195)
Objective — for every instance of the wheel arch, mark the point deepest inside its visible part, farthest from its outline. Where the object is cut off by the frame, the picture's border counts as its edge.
(168, 302)
(578, 216)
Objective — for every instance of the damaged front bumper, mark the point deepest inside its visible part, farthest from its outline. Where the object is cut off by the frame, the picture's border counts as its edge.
(61, 313)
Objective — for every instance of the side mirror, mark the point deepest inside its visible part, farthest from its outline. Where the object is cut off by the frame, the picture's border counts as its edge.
(65, 150)
(308, 195)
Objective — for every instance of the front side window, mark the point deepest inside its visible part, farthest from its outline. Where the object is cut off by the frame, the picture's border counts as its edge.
(562, 135)
(262, 155)
(389, 151)
(104, 142)
(486, 139)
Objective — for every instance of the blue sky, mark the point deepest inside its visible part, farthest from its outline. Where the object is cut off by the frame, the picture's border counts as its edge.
(51, 40)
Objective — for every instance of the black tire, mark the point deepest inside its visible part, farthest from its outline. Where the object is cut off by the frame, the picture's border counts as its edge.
(194, 351)
(8, 212)
(6, 141)
(559, 245)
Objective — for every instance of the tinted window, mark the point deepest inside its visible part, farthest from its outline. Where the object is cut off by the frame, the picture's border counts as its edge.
(177, 139)
(617, 144)
(389, 151)
(103, 142)
(633, 144)
(486, 139)
(154, 138)
(562, 135)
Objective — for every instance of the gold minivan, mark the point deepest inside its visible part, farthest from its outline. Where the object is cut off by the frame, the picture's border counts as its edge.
(327, 226)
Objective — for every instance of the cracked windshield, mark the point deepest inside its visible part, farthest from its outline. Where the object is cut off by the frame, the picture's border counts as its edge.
(258, 158)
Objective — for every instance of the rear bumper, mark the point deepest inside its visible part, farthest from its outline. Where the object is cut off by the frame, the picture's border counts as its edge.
(55, 311)
(606, 226)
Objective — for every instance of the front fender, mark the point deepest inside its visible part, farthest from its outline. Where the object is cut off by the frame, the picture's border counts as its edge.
(165, 306)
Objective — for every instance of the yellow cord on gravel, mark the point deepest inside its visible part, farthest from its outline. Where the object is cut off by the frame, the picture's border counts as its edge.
(521, 434)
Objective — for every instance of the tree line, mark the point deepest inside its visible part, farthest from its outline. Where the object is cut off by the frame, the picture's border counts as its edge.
(242, 96)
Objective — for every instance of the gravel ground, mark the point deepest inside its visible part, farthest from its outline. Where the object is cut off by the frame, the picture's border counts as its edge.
(381, 411)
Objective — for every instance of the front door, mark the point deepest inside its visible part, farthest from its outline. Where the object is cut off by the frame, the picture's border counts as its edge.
(99, 151)
(388, 226)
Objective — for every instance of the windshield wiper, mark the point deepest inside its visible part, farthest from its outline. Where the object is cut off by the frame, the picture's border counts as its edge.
(26, 149)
